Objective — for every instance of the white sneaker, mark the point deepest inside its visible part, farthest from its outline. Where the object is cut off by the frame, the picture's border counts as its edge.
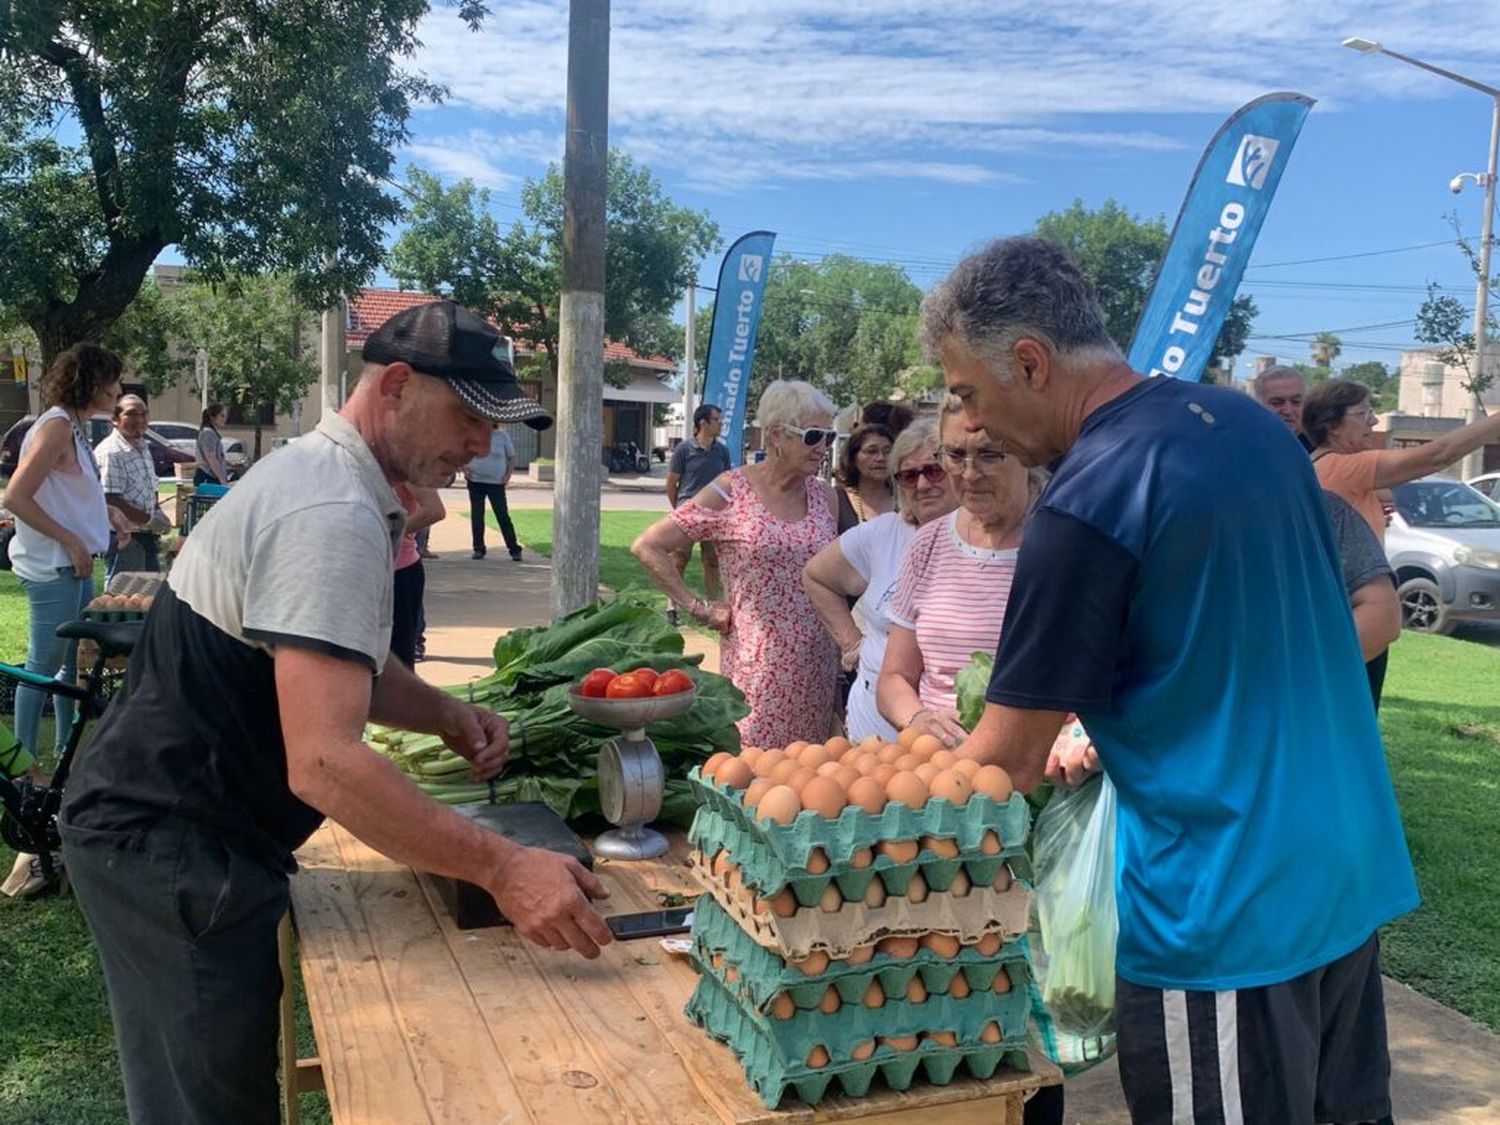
(26, 878)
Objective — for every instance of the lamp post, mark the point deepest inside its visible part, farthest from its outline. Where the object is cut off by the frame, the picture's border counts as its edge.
(1474, 463)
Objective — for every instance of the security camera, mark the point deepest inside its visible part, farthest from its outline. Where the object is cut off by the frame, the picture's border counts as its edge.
(1456, 184)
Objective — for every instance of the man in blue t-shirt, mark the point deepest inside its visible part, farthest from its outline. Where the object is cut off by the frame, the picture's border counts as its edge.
(1178, 588)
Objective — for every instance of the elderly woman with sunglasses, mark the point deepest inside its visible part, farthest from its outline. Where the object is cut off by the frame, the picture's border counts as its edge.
(865, 563)
(766, 521)
(950, 599)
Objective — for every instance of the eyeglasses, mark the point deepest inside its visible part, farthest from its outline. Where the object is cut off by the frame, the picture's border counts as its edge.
(1359, 412)
(932, 473)
(983, 460)
(813, 436)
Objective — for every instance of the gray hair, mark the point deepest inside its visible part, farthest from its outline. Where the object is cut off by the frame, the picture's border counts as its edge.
(1015, 288)
(1270, 375)
(791, 402)
(921, 434)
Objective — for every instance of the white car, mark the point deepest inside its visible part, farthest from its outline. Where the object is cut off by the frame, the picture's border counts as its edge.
(1487, 483)
(1443, 542)
(184, 436)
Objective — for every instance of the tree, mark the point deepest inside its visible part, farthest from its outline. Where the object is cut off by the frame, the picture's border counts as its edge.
(252, 134)
(452, 245)
(252, 328)
(1326, 348)
(1441, 322)
(1385, 388)
(1120, 255)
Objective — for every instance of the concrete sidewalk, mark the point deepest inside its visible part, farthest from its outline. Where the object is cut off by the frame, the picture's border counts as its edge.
(1447, 1068)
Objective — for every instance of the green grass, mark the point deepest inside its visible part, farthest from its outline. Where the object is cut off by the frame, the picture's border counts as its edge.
(618, 568)
(57, 1063)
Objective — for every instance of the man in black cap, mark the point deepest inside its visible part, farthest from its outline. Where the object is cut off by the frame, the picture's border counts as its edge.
(239, 728)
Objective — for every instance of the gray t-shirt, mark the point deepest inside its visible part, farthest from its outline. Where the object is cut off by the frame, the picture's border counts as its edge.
(494, 465)
(695, 466)
(1360, 552)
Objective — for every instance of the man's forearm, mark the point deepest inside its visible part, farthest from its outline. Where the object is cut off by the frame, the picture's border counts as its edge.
(133, 514)
(1018, 740)
(401, 699)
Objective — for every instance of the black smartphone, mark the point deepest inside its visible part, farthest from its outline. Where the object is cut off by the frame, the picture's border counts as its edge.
(655, 923)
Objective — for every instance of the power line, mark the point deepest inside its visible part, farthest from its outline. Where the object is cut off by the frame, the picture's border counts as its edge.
(1349, 257)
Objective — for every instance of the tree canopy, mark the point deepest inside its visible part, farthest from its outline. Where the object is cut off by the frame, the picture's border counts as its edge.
(1443, 321)
(252, 134)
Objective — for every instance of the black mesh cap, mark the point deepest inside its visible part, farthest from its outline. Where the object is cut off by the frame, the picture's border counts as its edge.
(448, 342)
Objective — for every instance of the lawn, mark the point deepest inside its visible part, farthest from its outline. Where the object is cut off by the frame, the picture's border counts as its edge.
(57, 1063)
(618, 568)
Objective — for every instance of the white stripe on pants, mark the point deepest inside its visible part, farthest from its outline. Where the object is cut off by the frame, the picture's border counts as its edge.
(1180, 1056)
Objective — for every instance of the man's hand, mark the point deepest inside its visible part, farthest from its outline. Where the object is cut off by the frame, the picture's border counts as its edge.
(546, 897)
(481, 736)
(1073, 757)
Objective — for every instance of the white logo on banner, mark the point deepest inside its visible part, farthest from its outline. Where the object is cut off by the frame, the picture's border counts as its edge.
(1253, 160)
(750, 267)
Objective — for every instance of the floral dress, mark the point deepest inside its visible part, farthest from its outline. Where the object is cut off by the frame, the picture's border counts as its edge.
(776, 650)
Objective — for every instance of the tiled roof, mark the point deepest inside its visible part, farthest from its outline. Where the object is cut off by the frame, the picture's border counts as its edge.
(370, 308)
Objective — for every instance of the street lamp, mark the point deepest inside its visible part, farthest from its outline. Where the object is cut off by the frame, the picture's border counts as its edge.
(1474, 462)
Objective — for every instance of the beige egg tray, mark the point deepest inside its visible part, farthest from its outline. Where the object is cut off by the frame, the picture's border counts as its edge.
(980, 912)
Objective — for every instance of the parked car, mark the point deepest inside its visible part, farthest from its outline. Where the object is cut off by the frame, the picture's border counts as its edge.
(1488, 483)
(163, 455)
(1443, 542)
(184, 436)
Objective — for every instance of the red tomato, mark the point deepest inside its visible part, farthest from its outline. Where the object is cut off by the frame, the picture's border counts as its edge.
(595, 682)
(628, 686)
(647, 674)
(673, 683)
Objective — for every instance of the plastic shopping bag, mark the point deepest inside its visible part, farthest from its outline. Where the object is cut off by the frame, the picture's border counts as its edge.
(1075, 904)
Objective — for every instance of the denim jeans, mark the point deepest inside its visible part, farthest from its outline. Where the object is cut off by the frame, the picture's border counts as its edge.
(52, 603)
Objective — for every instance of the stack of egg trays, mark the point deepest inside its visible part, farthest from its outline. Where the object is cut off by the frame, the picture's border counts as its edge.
(765, 869)
(788, 845)
(772, 1064)
(761, 974)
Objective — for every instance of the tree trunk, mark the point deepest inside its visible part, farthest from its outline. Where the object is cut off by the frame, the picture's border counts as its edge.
(103, 294)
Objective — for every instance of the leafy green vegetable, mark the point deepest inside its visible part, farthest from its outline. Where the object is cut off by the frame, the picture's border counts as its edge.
(972, 682)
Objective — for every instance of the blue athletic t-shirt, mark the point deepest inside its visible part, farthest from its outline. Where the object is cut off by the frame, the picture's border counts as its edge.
(1179, 588)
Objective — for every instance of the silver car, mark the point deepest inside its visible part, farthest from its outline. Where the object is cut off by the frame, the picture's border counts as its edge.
(184, 436)
(1443, 542)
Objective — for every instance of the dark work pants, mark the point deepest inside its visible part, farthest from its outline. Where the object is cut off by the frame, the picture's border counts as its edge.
(406, 614)
(186, 931)
(495, 494)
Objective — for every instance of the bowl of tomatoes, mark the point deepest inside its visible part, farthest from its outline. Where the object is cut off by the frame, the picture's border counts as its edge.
(630, 700)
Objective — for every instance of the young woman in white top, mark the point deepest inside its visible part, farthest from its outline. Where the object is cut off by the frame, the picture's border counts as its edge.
(62, 521)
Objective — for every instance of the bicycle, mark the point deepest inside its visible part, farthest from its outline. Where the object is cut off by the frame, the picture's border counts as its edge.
(28, 811)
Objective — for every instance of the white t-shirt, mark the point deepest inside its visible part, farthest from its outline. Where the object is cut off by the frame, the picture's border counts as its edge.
(875, 550)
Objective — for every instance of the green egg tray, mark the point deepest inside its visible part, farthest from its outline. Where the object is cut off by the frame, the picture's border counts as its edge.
(854, 828)
(763, 869)
(770, 1072)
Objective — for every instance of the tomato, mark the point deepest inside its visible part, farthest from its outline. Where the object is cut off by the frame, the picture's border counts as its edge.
(673, 683)
(595, 682)
(648, 674)
(628, 686)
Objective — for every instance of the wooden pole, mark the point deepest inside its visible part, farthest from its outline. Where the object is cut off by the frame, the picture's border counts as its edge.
(580, 390)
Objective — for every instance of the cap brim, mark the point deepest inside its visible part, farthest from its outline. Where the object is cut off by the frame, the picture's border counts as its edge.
(501, 403)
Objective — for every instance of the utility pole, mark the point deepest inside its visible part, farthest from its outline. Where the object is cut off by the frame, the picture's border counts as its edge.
(689, 346)
(331, 358)
(580, 337)
(1473, 464)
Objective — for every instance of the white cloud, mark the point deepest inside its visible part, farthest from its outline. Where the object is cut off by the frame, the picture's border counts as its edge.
(734, 94)
(452, 160)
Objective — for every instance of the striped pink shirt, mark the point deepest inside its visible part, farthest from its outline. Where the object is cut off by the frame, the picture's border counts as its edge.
(953, 597)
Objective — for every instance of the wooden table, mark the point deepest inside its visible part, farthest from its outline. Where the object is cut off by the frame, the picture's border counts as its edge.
(418, 1021)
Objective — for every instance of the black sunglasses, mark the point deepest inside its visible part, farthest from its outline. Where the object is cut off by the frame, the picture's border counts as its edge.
(813, 436)
(907, 478)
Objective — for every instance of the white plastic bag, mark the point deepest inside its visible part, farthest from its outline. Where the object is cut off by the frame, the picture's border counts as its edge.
(1074, 859)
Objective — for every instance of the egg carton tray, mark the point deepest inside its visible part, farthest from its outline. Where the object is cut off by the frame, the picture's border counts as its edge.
(762, 975)
(980, 912)
(144, 582)
(762, 868)
(770, 1074)
(841, 836)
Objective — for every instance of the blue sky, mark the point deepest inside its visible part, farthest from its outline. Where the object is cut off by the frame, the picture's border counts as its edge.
(913, 131)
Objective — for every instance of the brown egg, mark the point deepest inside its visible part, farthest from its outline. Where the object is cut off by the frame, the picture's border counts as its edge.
(731, 975)
(762, 906)
(884, 772)
(908, 762)
(872, 742)
(861, 858)
(899, 1042)
(940, 845)
(960, 885)
(711, 766)
(814, 963)
(926, 745)
(860, 955)
(958, 987)
(991, 1033)
(824, 796)
(837, 746)
(814, 756)
(890, 753)
(943, 759)
(832, 901)
(784, 770)
(779, 806)
(867, 764)
(868, 794)
(861, 1051)
(818, 1056)
(968, 767)
(994, 783)
(750, 755)
(794, 749)
(902, 947)
(756, 790)
(845, 775)
(768, 762)
(719, 865)
(830, 1002)
(989, 843)
(799, 780)
(952, 786)
(988, 945)
(785, 904)
(817, 861)
(718, 960)
(916, 991)
(875, 894)
(782, 1007)
(1003, 880)
(942, 1038)
(943, 945)
(900, 851)
(907, 788)
(916, 890)
(927, 772)
(828, 769)
(908, 736)
(874, 995)
(733, 773)
(1002, 982)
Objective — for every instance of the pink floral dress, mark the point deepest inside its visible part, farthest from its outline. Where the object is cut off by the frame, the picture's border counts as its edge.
(776, 650)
